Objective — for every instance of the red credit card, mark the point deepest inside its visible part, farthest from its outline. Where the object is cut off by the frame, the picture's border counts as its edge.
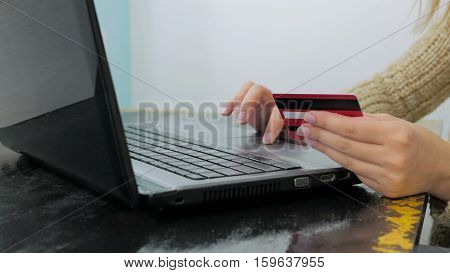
(293, 108)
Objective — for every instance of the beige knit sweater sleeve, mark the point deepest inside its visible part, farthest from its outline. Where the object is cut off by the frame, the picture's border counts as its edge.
(415, 84)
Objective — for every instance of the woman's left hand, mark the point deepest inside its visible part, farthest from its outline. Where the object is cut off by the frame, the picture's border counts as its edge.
(390, 155)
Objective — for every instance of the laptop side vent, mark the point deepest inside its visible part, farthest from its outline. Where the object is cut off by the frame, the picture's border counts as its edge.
(240, 192)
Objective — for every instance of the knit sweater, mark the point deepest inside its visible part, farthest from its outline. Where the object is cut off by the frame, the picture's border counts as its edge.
(414, 85)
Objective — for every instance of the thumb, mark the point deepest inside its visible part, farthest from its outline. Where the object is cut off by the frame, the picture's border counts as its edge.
(274, 127)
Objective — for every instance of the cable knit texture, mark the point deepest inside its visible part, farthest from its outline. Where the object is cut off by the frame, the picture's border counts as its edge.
(414, 85)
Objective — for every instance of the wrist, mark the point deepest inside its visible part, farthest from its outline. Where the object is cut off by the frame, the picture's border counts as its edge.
(441, 185)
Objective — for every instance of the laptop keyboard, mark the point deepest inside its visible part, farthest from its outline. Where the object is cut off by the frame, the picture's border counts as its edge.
(193, 160)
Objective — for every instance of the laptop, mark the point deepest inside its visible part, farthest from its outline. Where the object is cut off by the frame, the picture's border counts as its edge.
(58, 106)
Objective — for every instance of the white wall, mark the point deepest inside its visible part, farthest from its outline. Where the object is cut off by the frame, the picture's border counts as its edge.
(199, 50)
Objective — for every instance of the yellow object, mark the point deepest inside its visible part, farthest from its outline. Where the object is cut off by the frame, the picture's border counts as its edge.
(402, 215)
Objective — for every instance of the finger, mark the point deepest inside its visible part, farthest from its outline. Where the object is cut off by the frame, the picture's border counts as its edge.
(360, 150)
(237, 98)
(229, 108)
(363, 168)
(356, 128)
(254, 98)
(274, 127)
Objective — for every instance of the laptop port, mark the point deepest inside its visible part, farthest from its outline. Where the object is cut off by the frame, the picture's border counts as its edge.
(343, 176)
(327, 178)
(302, 182)
(179, 200)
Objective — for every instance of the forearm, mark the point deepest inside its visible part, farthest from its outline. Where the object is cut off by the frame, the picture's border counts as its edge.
(415, 84)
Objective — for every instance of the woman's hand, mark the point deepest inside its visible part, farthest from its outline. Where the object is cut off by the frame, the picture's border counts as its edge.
(254, 105)
(390, 155)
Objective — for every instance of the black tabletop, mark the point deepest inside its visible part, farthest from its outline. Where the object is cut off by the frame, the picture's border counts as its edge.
(43, 212)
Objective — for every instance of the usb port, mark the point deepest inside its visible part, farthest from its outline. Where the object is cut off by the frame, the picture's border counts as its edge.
(302, 182)
(327, 178)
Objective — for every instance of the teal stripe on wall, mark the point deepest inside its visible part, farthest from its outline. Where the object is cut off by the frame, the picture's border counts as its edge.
(114, 17)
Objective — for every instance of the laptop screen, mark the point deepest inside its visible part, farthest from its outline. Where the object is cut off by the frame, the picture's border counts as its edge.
(47, 57)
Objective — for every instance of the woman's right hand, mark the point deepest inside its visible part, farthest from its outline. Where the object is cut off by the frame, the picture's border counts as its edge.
(254, 105)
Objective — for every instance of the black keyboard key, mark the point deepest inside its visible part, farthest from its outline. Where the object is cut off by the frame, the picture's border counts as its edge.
(173, 168)
(259, 158)
(213, 167)
(149, 154)
(187, 167)
(162, 157)
(185, 150)
(244, 160)
(157, 144)
(232, 157)
(172, 153)
(147, 146)
(157, 149)
(194, 176)
(183, 156)
(140, 157)
(196, 154)
(263, 167)
(230, 164)
(200, 170)
(212, 175)
(152, 162)
(199, 148)
(209, 157)
(204, 163)
(217, 153)
(228, 172)
(157, 156)
(171, 147)
(284, 165)
(246, 169)
(184, 144)
(179, 163)
(244, 155)
(169, 160)
(192, 160)
(183, 163)
(181, 172)
(159, 164)
(203, 150)
(219, 161)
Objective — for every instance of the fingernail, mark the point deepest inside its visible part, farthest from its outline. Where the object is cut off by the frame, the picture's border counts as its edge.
(236, 109)
(267, 138)
(310, 118)
(303, 131)
(242, 117)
